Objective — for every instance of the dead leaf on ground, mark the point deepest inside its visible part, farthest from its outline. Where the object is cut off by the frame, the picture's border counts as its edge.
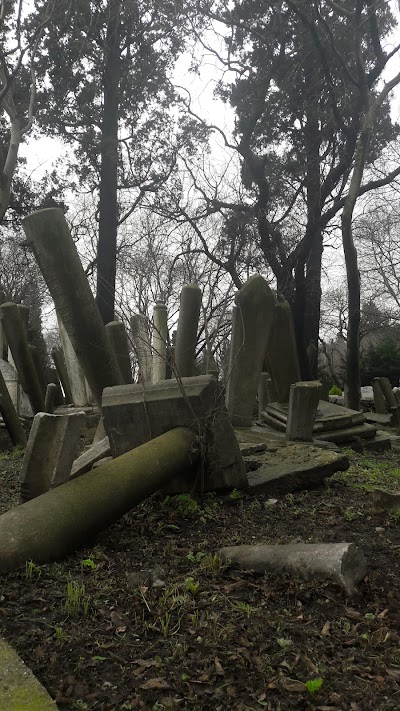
(326, 629)
(293, 685)
(159, 682)
(218, 667)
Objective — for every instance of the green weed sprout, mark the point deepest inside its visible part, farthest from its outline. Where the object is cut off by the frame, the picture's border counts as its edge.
(313, 685)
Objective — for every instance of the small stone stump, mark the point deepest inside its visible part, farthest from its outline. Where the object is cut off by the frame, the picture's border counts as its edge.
(303, 405)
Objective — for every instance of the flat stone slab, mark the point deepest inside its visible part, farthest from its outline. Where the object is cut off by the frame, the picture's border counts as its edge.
(343, 563)
(86, 461)
(378, 418)
(292, 468)
(19, 688)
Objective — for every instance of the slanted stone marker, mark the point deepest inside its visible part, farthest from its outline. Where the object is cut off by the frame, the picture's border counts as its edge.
(10, 416)
(14, 328)
(251, 323)
(118, 343)
(281, 351)
(48, 234)
(142, 345)
(160, 338)
(85, 462)
(303, 405)
(51, 394)
(186, 334)
(19, 688)
(75, 373)
(51, 448)
(59, 361)
(50, 526)
(134, 414)
(40, 367)
(344, 563)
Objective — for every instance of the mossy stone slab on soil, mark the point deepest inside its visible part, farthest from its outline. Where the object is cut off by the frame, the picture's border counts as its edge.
(19, 688)
(292, 468)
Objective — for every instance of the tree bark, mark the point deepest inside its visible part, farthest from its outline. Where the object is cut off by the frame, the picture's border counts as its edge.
(108, 208)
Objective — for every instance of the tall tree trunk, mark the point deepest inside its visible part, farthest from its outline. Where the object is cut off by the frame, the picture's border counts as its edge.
(108, 209)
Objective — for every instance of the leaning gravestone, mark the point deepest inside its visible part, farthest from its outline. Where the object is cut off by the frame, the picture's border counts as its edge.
(251, 323)
(281, 351)
(118, 342)
(50, 451)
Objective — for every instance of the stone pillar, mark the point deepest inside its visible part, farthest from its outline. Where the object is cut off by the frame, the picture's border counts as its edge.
(49, 401)
(14, 328)
(59, 362)
(281, 351)
(48, 234)
(40, 368)
(251, 323)
(75, 372)
(303, 405)
(118, 342)
(142, 345)
(52, 377)
(379, 400)
(160, 338)
(3, 339)
(10, 417)
(50, 452)
(186, 334)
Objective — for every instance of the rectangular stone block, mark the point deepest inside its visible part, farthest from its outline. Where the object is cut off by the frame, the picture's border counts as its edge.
(303, 405)
(51, 448)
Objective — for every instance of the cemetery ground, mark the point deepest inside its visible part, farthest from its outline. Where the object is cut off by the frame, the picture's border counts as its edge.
(147, 616)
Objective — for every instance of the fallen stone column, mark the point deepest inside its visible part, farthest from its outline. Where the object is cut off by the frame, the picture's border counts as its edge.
(160, 337)
(48, 234)
(118, 343)
(15, 331)
(186, 334)
(10, 417)
(50, 526)
(344, 563)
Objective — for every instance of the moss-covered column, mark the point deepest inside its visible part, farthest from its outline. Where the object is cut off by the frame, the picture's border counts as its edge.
(48, 234)
(14, 327)
(49, 526)
(118, 342)
(186, 334)
(10, 417)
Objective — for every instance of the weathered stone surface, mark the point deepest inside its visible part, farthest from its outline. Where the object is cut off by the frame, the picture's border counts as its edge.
(10, 417)
(303, 405)
(160, 338)
(377, 418)
(142, 345)
(51, 394)
(343, 563)
(52, 445)
(19, 688)
(134, 414)
(263, 392)
(76, 376)
(49, 526)
(186, 334)
(86, 461)
(118, 343)
(293, 468)
(15, 331)
(59, 362)
(387, 391)
(251, 323)
(281, 351)
(386, 500)
(54, 249)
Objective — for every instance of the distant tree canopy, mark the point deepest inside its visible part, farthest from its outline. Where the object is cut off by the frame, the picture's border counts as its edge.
(382, 360)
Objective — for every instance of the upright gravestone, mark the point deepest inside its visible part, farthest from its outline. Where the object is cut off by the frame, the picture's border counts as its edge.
(48, 234)
(140, 335)
(49, 401)
(118, 342)
(281, 352)
(15, 331)
(251, 323)
(303, 405)
(186, 334)
(50, 452)
(160, 338)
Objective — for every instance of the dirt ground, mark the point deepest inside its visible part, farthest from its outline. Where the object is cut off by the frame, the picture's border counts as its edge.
(147, 617)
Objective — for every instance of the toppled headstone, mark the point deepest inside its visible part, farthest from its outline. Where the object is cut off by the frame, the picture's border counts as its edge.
(186, 334)
(344, 563)
(52, 445)
(251, 322)
(134, 414)
(302, 411)
(19, 688)
(292, 468)
(88, 459)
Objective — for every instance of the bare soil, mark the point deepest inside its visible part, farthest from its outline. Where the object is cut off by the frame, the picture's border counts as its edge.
(146, 617)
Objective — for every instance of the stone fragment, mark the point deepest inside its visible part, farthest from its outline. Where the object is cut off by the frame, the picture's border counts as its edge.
(251, 323)
(186, 334)
(343, 563)
(19, 688)
(140, 335)
(281, 351)
(118, 343)
(15, 331)
(52, 445)
(51, 394)
(87, 460)
(134, 414)
(48, 234)
(303, 405)
(55, 523)
(292, 468)
(160, 338)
